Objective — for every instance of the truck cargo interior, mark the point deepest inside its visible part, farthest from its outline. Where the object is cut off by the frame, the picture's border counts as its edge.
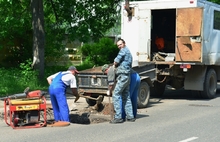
(163, 26)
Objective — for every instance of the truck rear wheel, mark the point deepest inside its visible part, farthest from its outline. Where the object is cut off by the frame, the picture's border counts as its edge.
(143, 95)
(210, 85)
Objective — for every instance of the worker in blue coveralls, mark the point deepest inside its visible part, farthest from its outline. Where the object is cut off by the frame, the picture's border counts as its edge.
(57, 89)
(123, 63)
(134, 87)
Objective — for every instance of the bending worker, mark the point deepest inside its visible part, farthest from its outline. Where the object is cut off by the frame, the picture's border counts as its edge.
(57, 89)
(134, 87)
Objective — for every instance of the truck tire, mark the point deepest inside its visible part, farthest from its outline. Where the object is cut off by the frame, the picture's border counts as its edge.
(210, 85)
(143, 95)
(92, 102)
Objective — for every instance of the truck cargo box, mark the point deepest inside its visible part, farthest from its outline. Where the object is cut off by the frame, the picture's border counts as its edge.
(181, 37)
(190, 30)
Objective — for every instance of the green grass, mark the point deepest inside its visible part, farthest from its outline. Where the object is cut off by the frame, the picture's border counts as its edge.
(15, 80)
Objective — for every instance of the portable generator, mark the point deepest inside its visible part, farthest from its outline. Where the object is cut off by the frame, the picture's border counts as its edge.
(26, 110)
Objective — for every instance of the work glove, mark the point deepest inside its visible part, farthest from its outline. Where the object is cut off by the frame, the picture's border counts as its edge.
(80, 92)
(77, 98)
(108, 93)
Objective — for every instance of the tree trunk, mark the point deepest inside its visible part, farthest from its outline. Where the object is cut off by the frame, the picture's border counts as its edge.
(38, 36)
(127, 8)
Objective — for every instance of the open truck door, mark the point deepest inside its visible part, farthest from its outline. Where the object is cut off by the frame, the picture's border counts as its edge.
(136, 32)
(137, 35)
(144, 37)
(148, 71)
(188, 35)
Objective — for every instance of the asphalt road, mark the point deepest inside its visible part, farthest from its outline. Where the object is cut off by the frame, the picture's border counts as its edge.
(177, 117)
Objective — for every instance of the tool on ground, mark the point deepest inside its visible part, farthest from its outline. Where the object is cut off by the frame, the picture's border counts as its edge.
(110, 104)
(24, 110)
(98, 100)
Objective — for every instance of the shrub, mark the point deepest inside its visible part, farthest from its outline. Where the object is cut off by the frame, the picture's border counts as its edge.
(99, 53)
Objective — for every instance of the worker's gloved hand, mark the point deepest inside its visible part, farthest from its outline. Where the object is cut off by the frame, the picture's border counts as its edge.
(80, 92)
(77, 98)
(108, 93)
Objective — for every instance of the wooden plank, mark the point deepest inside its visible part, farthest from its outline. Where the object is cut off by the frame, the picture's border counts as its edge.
(188, 25)
(189, 21)
(189, 52)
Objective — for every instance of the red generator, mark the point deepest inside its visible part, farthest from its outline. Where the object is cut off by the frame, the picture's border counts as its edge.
(28, 111)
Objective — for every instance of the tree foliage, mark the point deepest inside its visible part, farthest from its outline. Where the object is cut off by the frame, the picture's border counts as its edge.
(102, 52)
(79, 19)
(83, 20)
(215, 1)
(15, 35)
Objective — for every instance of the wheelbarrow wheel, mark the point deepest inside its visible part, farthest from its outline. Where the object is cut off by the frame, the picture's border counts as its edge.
(91, 102)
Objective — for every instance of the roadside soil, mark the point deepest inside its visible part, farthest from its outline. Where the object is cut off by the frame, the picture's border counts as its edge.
(92, 114)
(87, 115)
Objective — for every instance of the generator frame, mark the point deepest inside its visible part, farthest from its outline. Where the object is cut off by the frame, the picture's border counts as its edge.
(13, 106)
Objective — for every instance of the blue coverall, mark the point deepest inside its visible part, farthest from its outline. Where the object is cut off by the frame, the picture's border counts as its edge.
(57, 92)
(134, 87)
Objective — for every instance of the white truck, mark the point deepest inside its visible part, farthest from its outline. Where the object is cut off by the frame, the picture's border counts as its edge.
(190, 38)
(188, 53)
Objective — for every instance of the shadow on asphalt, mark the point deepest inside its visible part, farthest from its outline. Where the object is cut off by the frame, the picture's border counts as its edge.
(139, 116)
(180, 94)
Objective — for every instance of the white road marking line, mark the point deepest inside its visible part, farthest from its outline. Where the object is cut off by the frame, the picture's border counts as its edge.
(189, 139)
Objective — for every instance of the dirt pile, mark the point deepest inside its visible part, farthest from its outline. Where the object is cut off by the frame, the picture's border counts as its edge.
(90, 115)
